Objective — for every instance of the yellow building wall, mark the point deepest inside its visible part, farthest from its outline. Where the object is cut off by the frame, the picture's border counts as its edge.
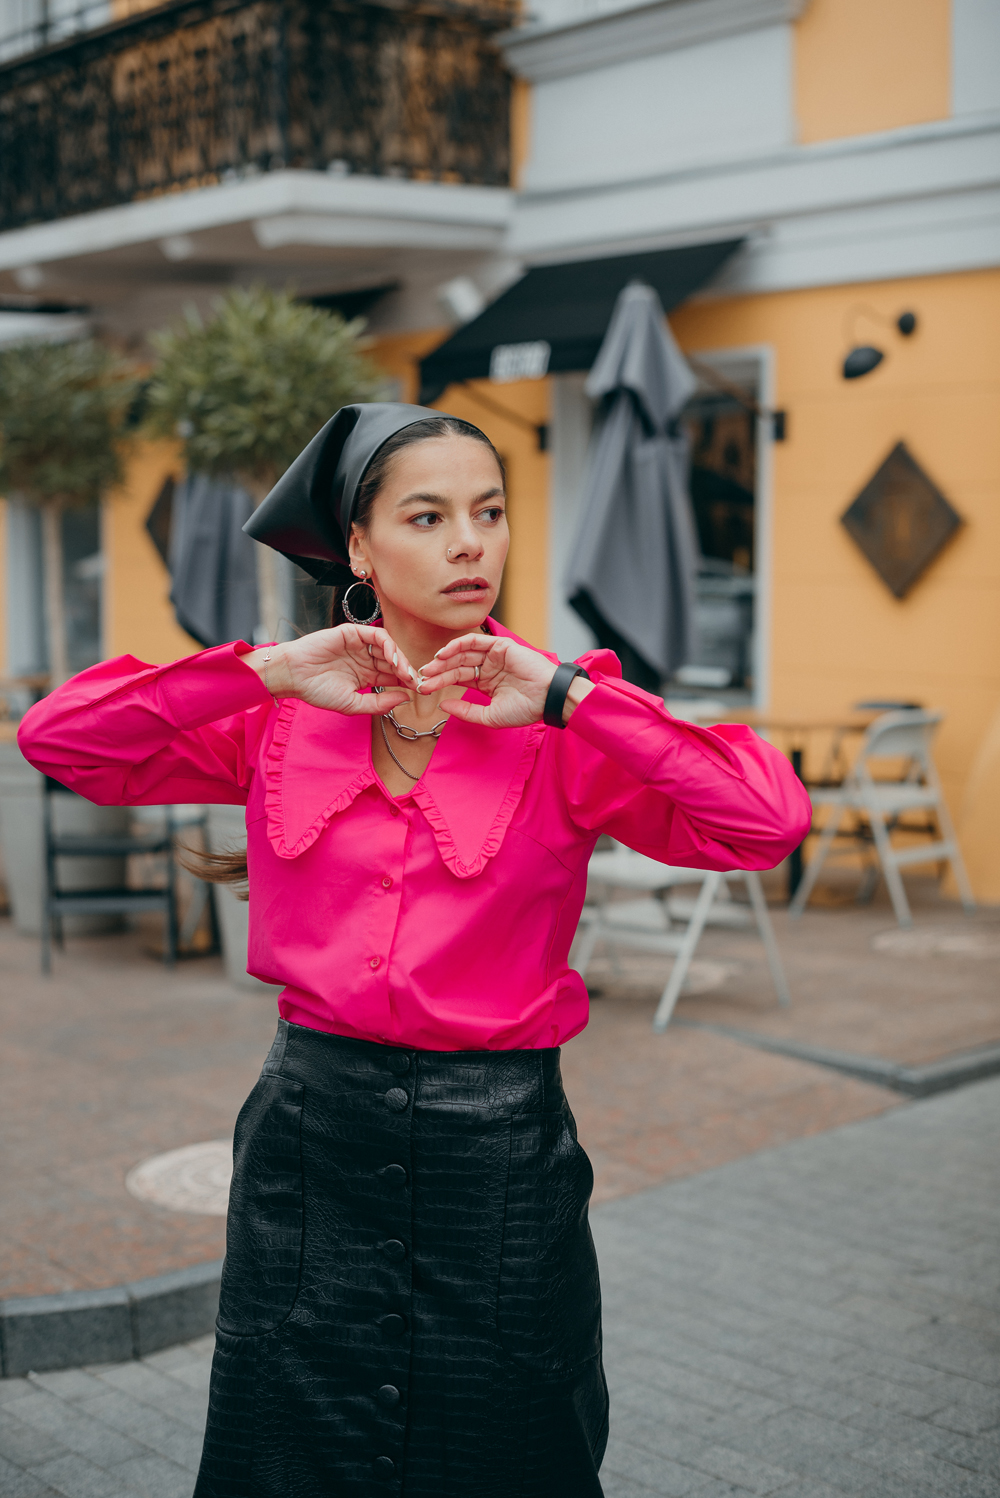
(867, 65)
(838, 634)
(138, 618)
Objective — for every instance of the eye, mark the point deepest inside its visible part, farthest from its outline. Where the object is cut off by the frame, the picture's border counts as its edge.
(427, 521)
(492, 515)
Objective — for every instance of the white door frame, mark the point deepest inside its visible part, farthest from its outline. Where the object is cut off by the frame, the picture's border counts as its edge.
(754, 365)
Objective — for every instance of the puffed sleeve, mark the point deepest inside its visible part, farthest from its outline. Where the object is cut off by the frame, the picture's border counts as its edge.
(704, 798)
(127, 734)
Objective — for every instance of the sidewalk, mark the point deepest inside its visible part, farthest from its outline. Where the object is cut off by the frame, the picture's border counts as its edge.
(115, 1058)
(817, 1320)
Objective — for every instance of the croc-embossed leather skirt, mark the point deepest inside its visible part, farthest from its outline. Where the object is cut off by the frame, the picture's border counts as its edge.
(410, 1300)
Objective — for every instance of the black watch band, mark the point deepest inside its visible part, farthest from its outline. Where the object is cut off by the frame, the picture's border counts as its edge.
(555, 698)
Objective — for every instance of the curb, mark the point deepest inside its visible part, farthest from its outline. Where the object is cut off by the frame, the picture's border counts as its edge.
(41, 1332)
(913, 1081)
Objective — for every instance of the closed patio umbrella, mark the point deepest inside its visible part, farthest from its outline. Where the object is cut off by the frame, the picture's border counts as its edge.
(212, 563)
(632, 571)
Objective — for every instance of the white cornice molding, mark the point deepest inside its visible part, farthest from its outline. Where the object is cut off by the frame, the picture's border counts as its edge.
(540, 53)
(369, 211)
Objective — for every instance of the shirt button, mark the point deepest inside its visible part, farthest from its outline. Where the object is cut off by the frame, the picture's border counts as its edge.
(375, 961)
(388, 1395)
(393, 1326)
(384, 1466)
(394, 1250)
(395, 1175)
(399, 1062)
(396, 1099)
(394, 811)
(387, 882)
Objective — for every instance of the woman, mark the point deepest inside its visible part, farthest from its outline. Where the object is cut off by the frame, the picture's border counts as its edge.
(410, 1299)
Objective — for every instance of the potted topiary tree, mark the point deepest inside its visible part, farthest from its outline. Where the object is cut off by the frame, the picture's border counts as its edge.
(62, 410)
(246, 391)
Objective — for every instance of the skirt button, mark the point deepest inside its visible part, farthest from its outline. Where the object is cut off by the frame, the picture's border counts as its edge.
(396, 1099)
(399, 1062)
(394, 1250)
(393, 1326)
(384, 1466)
(394, 1174)
(388, 1395)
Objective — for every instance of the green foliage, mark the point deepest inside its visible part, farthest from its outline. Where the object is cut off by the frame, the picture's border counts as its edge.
(62, 406)
(249, 389)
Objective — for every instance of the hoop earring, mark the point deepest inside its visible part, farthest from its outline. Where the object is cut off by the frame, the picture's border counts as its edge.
(346, 607)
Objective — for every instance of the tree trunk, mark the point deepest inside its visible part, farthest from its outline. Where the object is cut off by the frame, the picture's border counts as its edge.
(268, 591)
(55, 597)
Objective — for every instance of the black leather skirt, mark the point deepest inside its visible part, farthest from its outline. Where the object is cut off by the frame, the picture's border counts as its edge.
(410, 1301)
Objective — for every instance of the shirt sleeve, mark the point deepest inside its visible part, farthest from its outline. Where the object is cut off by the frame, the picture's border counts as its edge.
(703, 798)
(127, 734)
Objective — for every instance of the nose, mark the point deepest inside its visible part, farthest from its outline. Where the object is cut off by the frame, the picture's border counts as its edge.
(464, 544)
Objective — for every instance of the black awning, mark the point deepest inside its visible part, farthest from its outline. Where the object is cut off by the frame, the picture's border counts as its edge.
(566, 307)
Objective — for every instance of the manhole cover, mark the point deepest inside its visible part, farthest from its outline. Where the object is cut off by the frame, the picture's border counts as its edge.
(193, 1179)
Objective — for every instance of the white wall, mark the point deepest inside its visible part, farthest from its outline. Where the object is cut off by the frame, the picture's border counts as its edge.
(975, 55)
(728, 98)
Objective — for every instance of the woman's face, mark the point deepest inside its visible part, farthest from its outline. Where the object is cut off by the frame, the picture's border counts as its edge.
(437, 538)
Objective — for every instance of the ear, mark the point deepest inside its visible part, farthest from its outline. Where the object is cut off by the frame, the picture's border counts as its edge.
(358, 553)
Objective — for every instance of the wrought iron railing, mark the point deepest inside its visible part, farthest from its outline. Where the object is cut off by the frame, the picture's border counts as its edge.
(204, 91)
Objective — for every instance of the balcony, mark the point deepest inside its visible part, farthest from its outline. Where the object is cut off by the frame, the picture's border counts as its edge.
(202, 92)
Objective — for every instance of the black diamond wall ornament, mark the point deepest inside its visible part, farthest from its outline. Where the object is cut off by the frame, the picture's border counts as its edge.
(900, 520)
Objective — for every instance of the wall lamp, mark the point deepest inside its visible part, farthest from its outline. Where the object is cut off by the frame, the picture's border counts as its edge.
(864, 357)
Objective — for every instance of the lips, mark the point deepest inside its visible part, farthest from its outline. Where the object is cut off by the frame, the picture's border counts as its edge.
(467, 585)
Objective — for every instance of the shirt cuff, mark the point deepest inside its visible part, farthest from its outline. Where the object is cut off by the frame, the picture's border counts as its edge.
(203, 688)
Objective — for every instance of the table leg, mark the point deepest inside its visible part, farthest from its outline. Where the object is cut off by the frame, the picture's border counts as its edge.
(795, 857)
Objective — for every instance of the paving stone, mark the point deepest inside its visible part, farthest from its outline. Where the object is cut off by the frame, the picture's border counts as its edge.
(149, 1427)
(16, 1483)
(75, 1477)
(65, 1383)
(155, 1477)
(23, 1445)
(65, 1424)
(12, 1389)
(151, 1387)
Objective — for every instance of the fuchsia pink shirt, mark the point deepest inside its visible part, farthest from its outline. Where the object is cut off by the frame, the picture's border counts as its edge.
(442, 919)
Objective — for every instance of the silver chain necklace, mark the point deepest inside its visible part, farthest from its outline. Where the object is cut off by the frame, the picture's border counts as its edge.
(406, 732)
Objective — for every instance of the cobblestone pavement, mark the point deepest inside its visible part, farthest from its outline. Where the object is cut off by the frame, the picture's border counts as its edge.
(816, 1320)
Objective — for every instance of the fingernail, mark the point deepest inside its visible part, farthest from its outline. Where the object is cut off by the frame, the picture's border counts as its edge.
(395, 657)
(412, 673)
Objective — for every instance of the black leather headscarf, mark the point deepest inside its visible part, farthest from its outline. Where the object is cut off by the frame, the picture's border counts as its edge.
(307, 515)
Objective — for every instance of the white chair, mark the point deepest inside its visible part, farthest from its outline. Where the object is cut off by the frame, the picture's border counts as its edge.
(648, 925)
(880, 804)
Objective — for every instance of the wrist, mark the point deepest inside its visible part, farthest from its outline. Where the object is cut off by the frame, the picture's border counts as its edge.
(270, 664)
(579, 688)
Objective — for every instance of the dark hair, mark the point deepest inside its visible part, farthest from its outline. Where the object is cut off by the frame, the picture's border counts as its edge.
(231, 867)
(378, 471)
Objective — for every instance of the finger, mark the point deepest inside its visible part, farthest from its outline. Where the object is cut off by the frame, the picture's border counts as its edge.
(460, 676)
(478, 643)
(469, 712)
(382, 653)
(436, 669)
(377, 707)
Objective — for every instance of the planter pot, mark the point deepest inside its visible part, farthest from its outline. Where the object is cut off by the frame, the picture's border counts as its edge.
(227, 830)
(22, 837)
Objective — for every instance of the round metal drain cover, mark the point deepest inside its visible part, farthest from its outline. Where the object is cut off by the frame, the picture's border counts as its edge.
(193, 1179)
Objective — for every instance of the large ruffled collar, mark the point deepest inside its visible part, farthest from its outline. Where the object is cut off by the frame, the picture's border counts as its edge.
(318, 762)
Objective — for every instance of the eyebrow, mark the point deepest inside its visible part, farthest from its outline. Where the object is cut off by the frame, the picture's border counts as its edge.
(437, 499)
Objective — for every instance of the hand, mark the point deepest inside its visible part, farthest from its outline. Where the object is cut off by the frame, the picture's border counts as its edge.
(516, 678)
(329, 668)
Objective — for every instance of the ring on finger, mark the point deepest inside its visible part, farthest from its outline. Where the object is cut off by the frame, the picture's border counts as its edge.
(476, 669)
(370, 650)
